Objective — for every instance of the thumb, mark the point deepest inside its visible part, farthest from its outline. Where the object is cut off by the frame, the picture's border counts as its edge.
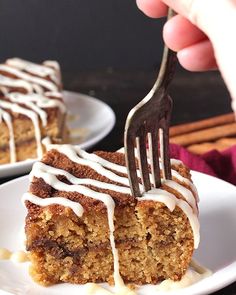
(217, 19)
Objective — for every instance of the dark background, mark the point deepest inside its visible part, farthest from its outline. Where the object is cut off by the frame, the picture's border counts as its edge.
(106, 48)
(80, 34)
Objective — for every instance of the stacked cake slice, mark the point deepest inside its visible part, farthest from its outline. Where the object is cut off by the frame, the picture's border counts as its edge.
(83, 225)
(31, 108)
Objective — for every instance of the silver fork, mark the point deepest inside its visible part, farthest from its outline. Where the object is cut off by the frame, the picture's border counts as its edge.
(150, 119)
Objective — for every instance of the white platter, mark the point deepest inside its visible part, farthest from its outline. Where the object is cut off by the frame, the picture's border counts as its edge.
(89, 120)
(216, 251)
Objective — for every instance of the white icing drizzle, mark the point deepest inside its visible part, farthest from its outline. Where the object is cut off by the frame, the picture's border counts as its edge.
(4, 90)
(55, 65)
(186, 193)
(27, 77)
(54, 94)
(194, 274)
(92, 158)
(159, 195)
(74, 206)
(40, 167)
(189, 278)
(35, 69)
(52, 64)
(186, 181)
(7, 119)
(176, 162)
(37, 102)
(101, 166)
(15, 83)
(99, 160)
(46, 141)
(18, 256)
(200, 268)
(28, 101)
(30, 114)
(71, 153)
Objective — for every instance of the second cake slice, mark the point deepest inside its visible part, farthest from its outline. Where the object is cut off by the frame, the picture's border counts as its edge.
(31, 108)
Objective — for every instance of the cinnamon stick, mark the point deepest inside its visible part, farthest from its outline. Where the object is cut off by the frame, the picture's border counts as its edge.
(209, 134)
(205, 147)
(203, 124)
(228, 141)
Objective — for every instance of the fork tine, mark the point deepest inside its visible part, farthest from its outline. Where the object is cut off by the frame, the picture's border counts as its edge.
(142, 158)
(164, 141)
(129, 143)
(154, 156)
(164, 151)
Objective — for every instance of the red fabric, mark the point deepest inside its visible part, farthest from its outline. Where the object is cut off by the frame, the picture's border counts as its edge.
(218, 164)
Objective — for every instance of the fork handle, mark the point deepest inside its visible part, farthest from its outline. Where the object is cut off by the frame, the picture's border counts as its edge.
(168, 64)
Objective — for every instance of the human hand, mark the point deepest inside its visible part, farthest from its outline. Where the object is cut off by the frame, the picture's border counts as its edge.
(203, 34)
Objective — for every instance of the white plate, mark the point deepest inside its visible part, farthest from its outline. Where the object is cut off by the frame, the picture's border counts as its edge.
(216, 251)
(87, 116)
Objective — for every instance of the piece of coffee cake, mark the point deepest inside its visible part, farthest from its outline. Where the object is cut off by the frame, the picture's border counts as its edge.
(83, 225)
(31, 108)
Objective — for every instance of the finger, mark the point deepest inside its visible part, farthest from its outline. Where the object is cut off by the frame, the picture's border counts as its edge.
(180, 33)
(184, 7)
(218, 22)
(152, 8)
(198, 57)
(202, 13)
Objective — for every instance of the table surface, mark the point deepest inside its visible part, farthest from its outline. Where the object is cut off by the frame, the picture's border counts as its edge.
(195, 95)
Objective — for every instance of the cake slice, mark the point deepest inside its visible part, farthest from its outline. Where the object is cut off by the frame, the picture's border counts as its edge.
(31, 108)
(83, 225)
